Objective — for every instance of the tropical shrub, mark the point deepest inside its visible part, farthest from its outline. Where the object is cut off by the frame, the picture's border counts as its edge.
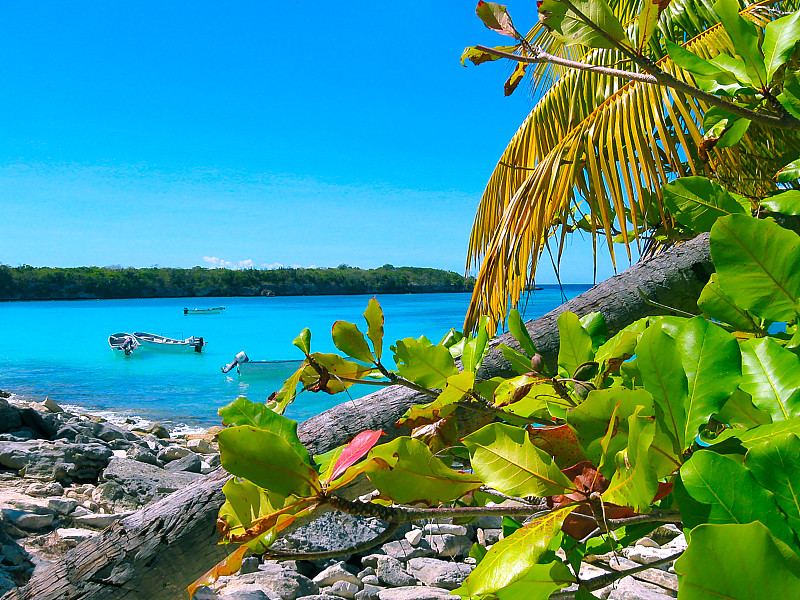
(689, 420)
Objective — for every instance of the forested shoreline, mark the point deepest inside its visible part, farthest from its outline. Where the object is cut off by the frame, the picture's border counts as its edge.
(48, 283)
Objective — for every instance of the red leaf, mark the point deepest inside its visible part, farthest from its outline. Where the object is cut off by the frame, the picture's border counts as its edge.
(496, 17)
(357, 448)
(559, 442)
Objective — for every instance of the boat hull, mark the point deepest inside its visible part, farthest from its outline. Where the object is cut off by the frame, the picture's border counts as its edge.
(203, 311)
(160, 343)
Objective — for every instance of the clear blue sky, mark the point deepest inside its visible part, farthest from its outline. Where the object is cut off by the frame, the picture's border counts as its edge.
(187, 133)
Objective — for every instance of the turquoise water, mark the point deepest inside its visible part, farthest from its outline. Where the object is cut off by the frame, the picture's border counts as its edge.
(59, 348)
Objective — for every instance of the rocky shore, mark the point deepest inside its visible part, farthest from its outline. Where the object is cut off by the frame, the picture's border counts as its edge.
(66, 476)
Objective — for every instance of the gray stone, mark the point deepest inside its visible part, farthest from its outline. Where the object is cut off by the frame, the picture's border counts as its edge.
(487, 537)
(28, 521)
(52, 405)
(9, 416)
(414, 593)
(37, 422)
(12, 554)
(72, 536)
(676, 544)
(655, 576)
(205, 593)
(334, 573)
(158, 430)
(172, 453)
(249, 565)
(450, 545)
(42, 490)
(320, 597)
(245, 594)
(369, 592)
(59, 460)
(646, 556)
(371, 560)
(444, 528)
(364, 572)
(402, 550)
(489, 522)
(276, 581)
(370, 579)
(646, 542)
(438, 573)
(414, 536)
(332, 531)
(99, 521)
(390, 572)
(143, 483)
(629, 588)
(136, 452)
(60, 506)
(345, 589)
(201, 446)
(191, 463)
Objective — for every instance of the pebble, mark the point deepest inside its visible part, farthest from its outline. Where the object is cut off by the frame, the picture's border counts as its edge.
(334, 573)
(414, 536)
(345, 589)
(647, 543)
(645, 556)
(444, 528)
(390, 572)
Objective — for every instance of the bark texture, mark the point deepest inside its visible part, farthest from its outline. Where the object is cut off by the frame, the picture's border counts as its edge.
(155, 553)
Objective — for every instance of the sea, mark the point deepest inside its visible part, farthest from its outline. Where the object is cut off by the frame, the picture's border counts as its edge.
(59, 349)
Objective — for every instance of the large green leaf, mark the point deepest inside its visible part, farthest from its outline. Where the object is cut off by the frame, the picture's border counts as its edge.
(475, 347)
(713, 366)
(423, 363)
(789, 172)
(539, 582)
(780, 38)
(787, 203)
(349, 339)
(745, 40)
(511, 558)
(697, 202)
(662, 373)
(790, 96)
(303, 341)
(771, 375)
(266, 459)
(713, 488)
(595, 325)
(740, 412)
(756, 435)
(517, 328)
(505, 459)
(623, 344)
(635, 482)
(720, 563)
(699, 67)
(715, 303)
(374, 318)
(573, 30)
(243, 412)
(758, 265)
(406, 471)
(776, 465)
(575, 344)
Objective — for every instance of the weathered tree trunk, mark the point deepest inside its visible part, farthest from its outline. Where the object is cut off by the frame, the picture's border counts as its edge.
(155, 553)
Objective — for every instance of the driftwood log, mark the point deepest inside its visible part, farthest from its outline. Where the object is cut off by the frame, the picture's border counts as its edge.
(155, 553)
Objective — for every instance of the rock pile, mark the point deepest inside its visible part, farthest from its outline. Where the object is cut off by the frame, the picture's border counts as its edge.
(64, 477)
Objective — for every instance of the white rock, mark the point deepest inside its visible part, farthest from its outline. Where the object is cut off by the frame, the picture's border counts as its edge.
(52, 405)
(72, 536)
(200, 446)
(120, 453)
(629, 588)
(334, 573)
(414, 536)
(647, 542)
(415, 592)
(645, 556)
(98, 520)
(345, 589)
(443, 528)
(31, 521)
(677, 544)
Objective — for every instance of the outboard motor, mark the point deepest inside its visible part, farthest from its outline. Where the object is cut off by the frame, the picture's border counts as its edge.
(198, 344)
(241, 357)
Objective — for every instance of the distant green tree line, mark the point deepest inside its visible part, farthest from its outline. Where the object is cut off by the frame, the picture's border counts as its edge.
(46, 283)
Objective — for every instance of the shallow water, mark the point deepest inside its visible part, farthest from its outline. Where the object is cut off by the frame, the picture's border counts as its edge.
(59, 348)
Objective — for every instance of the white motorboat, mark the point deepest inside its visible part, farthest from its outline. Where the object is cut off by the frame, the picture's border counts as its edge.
(261, 368)
(203, 311)
(123, 342)
(153, 341)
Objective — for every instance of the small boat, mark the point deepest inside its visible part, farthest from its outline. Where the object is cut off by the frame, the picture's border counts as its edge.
(203, 311)
(123, 342)
(261, 368)
(159, 342)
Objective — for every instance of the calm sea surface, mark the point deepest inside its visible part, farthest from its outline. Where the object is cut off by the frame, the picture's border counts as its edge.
(59, 348)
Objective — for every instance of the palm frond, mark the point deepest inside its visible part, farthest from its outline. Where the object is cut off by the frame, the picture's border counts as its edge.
(600, 146)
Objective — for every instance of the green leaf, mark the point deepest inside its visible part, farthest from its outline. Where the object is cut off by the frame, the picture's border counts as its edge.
(575, 344)
(478, 56)
(510, 559)
(496, 17)
(713, 366)
(790, 96)
(771, 375)
(787, 203)
(758, 265)
(478, 552)
(739, 411)
(789, 173)
(699, 67)
(303, 341)
(374, 318)
(506, 460)
(713, 488)
(714, 565)
(715, 303)
(406, 471)
(697, 202)
(538, 583)
(762, 433)
(286, 395)
(458, 386)
(337, 368)
(780, 38)
(776, 465)
(568, 26)
(745, 40)
(733, 133)
(648, 20)
(595, 325)
(266, 459)
(349, 339)
(517, 328)
(519, 362)
(243, 412)
(623, 344)
(475, 348)
(662, 374)
(424, 364)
